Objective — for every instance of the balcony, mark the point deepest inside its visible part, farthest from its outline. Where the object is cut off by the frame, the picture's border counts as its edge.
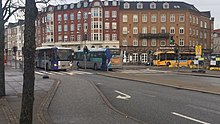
(154, 36)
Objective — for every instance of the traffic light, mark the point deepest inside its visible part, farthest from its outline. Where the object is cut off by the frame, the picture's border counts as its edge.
(172, 40)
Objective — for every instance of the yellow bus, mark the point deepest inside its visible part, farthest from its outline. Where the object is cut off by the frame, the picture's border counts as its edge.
(170, 58)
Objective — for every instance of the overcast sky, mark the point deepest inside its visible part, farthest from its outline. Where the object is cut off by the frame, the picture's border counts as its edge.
(202, 5)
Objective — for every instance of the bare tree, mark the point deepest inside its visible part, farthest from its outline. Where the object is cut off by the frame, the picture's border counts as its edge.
(29, 53)
(31, 12)
(7, 9)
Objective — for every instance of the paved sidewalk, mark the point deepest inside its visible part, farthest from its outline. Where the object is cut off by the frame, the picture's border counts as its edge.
(10, 105)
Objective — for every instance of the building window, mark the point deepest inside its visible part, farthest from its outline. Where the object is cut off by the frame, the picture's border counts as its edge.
(144, 30)
(201, 34)
(172, 30)
(153, 42)
(85, 26)
(107, 25)
(162, 43)
(106, 14)
(190, 31)
(125, 18)
(72, 27)
(59, 7)
(79, 27)
(163, 30)
(135, 18)
(65, 27)
(154, 18)
(107, 37)
(125, 30)
(166, 5)
(78, 37)
(144, 18)
(71, 5)
(144, 42)
(114, 3)
(205, 35)
(59, 28)
(139, 5)
(114, 14)
(65, 38)
(79, 15)
(201, 24)
(197, 32)
(205, 25)
(65, 6)
(197, 20)
(153, 30)
(59, 17)
(60, 39)
(153, 5)
(114, 25)
(135, 42)
(181, 43)
(72, 16)
(163, 18)
(126, 5)
(182, 18)
(106, 3)
(78, 5)
(135, 30)
(85, 15)
(72, 38)
(114, 37)
(172, 18)
(181, 30)
(85, 4)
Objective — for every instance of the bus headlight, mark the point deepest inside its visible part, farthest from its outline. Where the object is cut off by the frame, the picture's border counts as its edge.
(54, 64)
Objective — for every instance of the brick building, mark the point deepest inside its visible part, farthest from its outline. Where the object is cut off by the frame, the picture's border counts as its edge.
(216, 42)
(146, 26)
(75, 25)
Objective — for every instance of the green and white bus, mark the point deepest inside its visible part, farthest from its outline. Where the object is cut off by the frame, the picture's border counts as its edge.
(94, 59)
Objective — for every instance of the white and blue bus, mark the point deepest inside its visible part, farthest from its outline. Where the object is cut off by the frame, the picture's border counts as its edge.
(53, 58)
(95, 59)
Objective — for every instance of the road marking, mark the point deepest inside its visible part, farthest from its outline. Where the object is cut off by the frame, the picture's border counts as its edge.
(189, 118)
(39, 73)
(124, 97)
(204, 109)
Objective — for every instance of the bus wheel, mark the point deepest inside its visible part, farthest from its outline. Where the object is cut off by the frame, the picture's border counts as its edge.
(168, 63)
(95, 66)
(77, 64)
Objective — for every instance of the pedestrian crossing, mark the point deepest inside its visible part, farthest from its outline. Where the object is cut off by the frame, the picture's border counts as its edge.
(143, 71)
(62, 73)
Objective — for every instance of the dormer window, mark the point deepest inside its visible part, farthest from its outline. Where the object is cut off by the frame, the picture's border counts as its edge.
(126, 5)
(85, 4)
(65, 7)
(106, 3)
(114, 3)
(139, 5)
(97, 4)
(50, 9)
(71, 5)
(78, 5)
(166, 5)
(59, 7)
(153, 6)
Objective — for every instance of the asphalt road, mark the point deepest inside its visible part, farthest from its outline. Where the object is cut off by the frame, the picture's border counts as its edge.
(161, 105)
(77, 102)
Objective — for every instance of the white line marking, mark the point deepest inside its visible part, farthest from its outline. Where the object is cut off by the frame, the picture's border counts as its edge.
(189, 118)
(59, 73)
(125, 96)
(39, 73)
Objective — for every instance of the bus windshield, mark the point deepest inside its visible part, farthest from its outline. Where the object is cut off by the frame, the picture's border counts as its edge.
(64, 54)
